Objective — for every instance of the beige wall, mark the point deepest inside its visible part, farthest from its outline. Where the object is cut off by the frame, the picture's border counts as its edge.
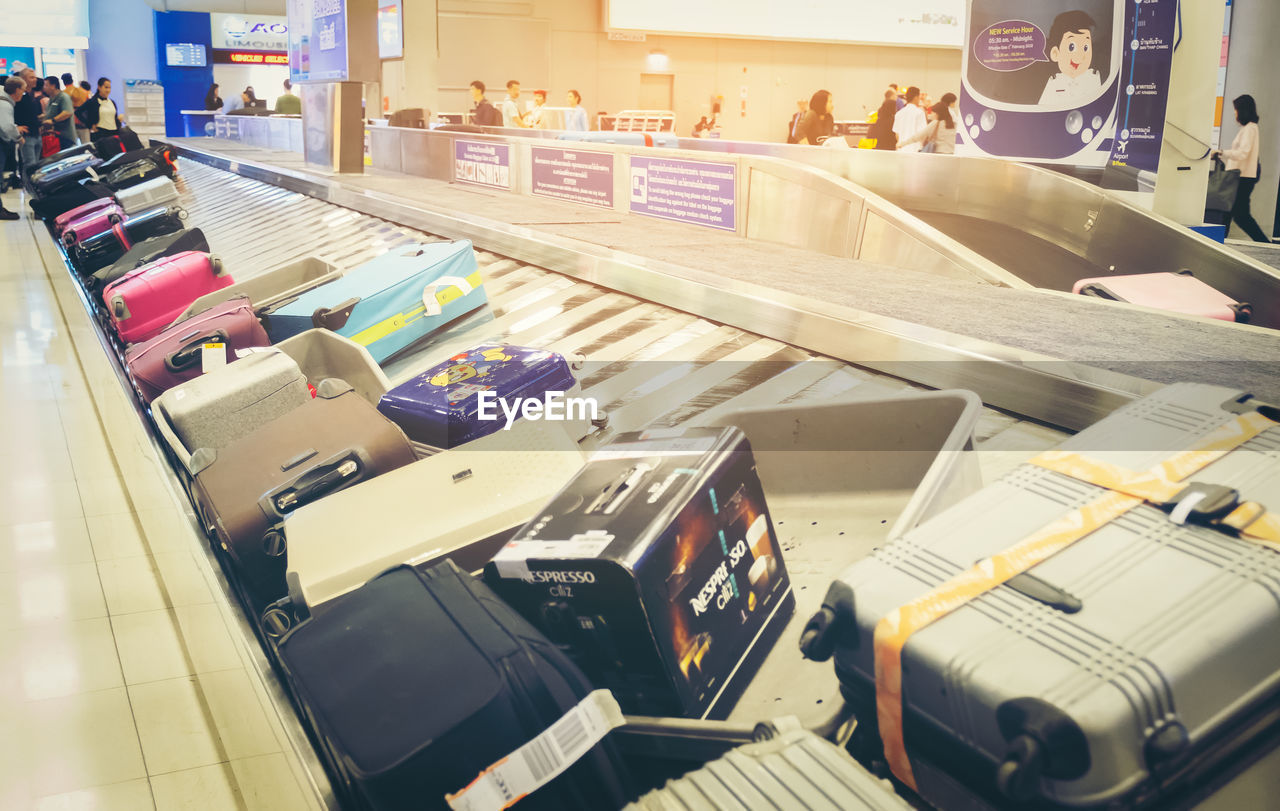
(495, 40)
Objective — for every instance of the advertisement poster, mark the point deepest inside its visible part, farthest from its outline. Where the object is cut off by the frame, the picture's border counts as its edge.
(318, 41)
(574, 175)
(685, 191)
(1082, 83)
(482, 163)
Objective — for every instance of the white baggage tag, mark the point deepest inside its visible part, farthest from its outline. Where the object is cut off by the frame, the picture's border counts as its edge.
(429, 300)
(542, 759)
(212, 356)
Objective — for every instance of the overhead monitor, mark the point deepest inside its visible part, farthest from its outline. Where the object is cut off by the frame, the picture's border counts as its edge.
(390, 31)
(185, 55)
(936, 23)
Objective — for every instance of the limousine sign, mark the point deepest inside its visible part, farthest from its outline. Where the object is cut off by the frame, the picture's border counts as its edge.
(249, 32)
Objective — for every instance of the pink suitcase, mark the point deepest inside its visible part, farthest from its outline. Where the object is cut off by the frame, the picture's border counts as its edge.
(174, 356)
(144, 301)
(1178, 292)
(64, 219)
(92, 224)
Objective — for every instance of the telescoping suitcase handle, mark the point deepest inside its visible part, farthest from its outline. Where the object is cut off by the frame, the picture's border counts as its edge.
(334, 318)
(190, 353)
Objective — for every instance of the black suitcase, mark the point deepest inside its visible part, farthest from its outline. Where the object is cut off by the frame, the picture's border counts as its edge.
(418, 680)
(51, 206)
(138, 166)
(149, 250)
(101, 250)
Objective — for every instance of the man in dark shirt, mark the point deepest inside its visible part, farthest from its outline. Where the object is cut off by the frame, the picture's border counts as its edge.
(26, 114)
(483, 114)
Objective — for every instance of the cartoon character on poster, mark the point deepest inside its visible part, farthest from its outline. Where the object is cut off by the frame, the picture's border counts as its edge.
(1041, 79)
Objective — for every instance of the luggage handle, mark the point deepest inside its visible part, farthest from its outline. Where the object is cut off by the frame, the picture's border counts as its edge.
(1098, 291)
(431, 294)
(334, 318)
(120, 309)
(191, 352)
(316, 482)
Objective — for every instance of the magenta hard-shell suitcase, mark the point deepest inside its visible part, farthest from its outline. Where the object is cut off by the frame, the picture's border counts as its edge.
(175, 355)
(144, 301)
(61, 222)
(1178, 292)
(92, 223)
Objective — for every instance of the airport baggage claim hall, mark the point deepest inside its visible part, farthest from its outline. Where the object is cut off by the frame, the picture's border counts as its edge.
(603, 404)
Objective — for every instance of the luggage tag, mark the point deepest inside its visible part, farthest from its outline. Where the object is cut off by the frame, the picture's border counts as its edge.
(542, 759)
(442, 291)
(212, 356)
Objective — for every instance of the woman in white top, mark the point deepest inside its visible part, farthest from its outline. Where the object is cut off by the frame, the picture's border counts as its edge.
(100, 114)
(1243, 155)
(941, 132)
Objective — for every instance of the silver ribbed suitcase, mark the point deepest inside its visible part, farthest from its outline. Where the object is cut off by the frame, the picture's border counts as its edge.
(151, 194)
(796, 771)
(1126, 668)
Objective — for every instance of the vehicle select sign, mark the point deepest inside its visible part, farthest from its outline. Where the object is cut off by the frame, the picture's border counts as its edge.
(574, 175)
(686, 191)
(482, 163)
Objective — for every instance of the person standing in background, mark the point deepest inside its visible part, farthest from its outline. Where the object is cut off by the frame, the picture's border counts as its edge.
(897, 96)
(533, 118)
(801, 107)
(9, 135)
(287, 103)
(233, 101)
(511, 115)
(60, 113)
(1243, 155)
(909, 120)
(483, 114)
(26, 114)
(882, 129)
(940, 135)
(99, 113)
(818, 123)
(576, 120)
(79, 95)
(212, 101)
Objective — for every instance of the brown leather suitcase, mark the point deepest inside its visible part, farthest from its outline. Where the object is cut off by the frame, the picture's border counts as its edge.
(244, 491)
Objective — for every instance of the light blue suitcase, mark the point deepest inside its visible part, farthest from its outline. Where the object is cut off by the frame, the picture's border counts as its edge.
(389, 303)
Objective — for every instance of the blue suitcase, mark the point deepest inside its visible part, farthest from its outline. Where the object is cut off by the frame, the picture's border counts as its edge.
(663, 139)
(389, 303)
(440, 408)
(56, 175)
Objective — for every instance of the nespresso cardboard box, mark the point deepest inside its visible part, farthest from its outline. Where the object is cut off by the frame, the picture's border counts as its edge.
(658, 569)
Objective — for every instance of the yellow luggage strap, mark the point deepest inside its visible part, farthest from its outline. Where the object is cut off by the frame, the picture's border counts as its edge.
(435, 297)
(1127, 490)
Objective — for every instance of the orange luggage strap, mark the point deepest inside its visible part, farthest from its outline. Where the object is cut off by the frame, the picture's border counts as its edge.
(1127, 489)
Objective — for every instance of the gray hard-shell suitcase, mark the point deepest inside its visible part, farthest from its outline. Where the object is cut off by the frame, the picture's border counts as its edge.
(796, 771)
(1125, 669)
(155, 192)
(227, 403)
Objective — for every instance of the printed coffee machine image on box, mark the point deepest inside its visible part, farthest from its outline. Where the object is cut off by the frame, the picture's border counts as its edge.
(657, 568)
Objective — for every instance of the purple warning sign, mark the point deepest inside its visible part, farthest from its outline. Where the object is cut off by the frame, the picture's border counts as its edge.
(686, 191)
(574, 175)
(484, 163)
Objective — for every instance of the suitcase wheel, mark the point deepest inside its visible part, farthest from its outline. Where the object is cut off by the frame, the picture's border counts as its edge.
(273, 543)
(276, 622)
(114, 218)
(216, 264)
(68, 238)
(601, 421)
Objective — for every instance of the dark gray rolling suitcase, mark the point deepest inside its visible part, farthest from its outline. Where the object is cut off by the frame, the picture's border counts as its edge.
(1099, 628)
(796, 771)
(245, 489)
(418, 680)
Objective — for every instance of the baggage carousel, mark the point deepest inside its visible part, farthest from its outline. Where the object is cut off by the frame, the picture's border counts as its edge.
(667, 347)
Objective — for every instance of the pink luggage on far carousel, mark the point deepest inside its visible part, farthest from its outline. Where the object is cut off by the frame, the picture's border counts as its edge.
(144, 301)
(1178, 292)
(63, 220)
(92, 224)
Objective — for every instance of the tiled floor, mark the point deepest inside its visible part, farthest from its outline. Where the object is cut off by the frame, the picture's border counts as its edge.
(124, 683)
